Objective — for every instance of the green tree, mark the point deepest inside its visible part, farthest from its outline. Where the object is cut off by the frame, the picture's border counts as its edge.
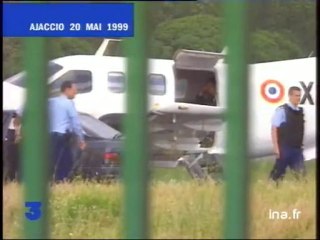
(198, 32)
(12, 56)
(164, 11)
(58, 47)
(198, 26)
(269, 46)
(294, 17)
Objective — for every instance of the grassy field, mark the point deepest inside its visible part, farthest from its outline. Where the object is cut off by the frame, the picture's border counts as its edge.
(179, 208)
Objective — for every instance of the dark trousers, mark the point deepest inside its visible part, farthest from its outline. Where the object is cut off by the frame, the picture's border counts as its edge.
(62, 157)
(11, 157)
(291, 157)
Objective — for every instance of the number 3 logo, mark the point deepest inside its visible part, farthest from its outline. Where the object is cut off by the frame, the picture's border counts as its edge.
(34, 212)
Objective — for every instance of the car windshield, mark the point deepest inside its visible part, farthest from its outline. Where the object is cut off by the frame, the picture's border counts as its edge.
(19, 79)
(95, 128)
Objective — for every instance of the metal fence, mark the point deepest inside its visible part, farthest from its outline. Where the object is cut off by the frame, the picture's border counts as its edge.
(35, 145)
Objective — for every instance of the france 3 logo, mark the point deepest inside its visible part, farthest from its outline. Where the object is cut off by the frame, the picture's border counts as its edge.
(34, 210)
(272, 91)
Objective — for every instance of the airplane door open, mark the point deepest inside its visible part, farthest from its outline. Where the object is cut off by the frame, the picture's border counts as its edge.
(192, 70)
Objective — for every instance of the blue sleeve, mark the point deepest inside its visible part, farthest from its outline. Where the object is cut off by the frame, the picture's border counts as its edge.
(75, 123)
(278, 117)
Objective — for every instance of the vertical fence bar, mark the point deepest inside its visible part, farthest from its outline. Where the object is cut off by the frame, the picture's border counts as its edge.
(236, 156)
(135, 166)
(35, 139)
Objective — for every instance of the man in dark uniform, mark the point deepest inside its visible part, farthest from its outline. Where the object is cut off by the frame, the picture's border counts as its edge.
(207, 96)
(287, 136)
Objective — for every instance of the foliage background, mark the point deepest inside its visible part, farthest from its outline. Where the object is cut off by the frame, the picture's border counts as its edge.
(279, 30)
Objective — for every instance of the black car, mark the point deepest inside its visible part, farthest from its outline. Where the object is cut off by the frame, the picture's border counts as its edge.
(100, 159)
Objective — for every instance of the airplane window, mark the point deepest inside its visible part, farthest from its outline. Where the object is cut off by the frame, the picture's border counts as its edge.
(19, 79)
(81, 78)
(157, 84)
(116, 82)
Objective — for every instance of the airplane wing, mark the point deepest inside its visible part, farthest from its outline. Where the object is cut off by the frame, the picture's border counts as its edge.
(181, 126)
(202, 111)
(198, 117)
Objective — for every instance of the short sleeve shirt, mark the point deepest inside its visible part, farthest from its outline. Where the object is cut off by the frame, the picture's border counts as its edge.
(279, 115)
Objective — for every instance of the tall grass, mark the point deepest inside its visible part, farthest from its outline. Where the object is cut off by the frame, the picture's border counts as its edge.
(179, 208)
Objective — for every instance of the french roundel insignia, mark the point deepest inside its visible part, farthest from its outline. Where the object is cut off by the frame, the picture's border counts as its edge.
(272, 91)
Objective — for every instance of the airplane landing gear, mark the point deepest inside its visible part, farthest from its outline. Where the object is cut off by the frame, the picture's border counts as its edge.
(202, 166)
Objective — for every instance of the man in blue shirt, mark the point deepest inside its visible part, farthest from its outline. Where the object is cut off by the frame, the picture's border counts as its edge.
(287, 136)
(64, 122)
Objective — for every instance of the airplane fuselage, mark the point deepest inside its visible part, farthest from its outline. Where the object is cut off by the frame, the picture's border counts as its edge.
(268, 88)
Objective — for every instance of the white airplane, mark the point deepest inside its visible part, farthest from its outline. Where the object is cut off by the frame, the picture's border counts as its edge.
(176, 122)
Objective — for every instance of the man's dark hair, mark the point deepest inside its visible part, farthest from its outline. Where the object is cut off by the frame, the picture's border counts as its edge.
(210, 81)
(293, 88)
(65, 85)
